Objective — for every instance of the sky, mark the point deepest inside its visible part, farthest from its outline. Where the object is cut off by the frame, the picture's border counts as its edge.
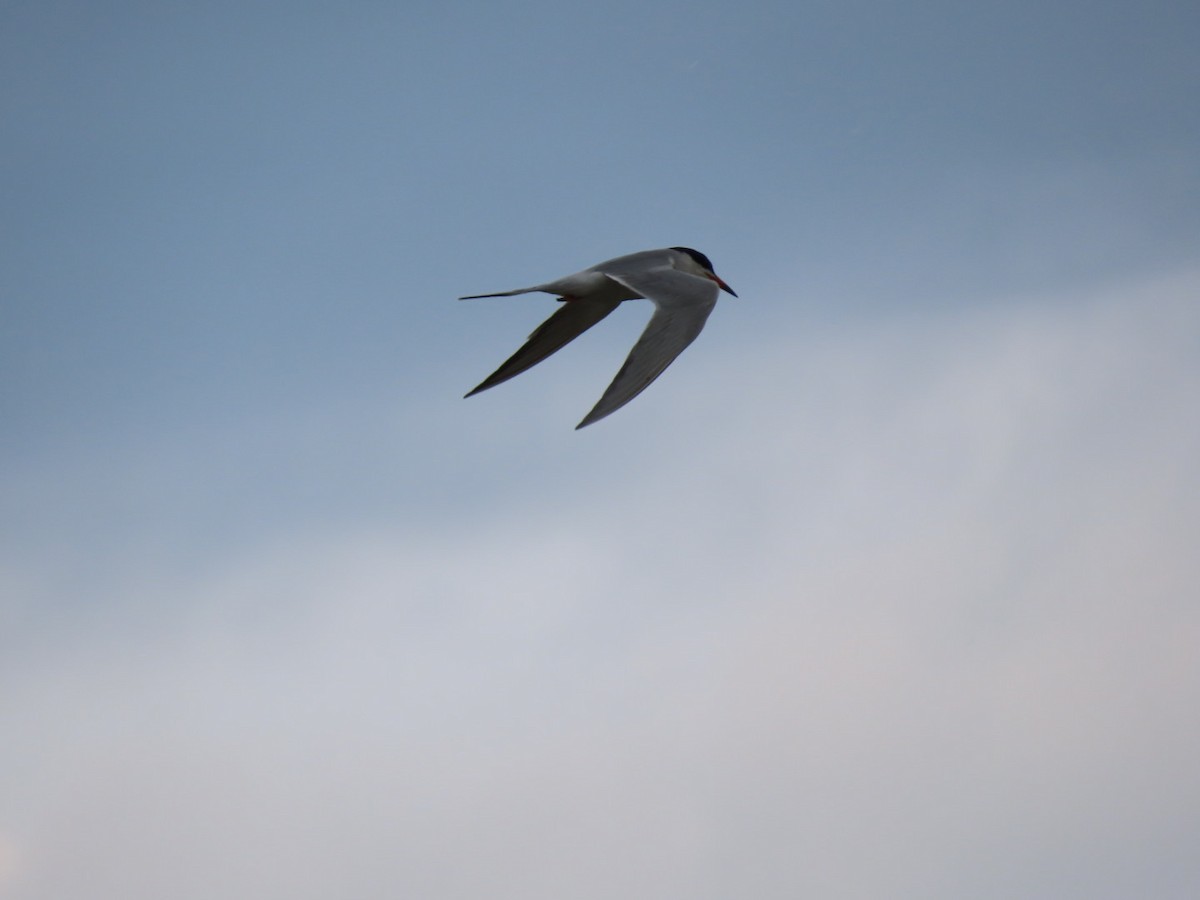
(888, 587)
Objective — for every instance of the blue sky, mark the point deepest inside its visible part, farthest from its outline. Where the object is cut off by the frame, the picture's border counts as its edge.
(885, 588)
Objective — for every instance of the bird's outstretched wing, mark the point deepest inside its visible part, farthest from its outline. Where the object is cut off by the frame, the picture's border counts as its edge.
(682, 304)
(575, 317)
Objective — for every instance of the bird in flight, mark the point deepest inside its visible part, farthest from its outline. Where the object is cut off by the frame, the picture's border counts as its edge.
(679, 281)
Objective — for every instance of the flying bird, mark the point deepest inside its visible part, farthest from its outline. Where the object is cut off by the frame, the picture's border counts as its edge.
(679, 281)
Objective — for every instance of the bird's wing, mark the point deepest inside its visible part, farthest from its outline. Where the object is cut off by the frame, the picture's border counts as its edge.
(637, 264)
(575, 317)
(682, 304)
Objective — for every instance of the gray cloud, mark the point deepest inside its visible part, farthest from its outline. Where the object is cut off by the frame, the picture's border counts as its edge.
(914, 618)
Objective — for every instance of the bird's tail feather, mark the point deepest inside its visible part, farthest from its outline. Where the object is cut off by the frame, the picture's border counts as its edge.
(528, 290)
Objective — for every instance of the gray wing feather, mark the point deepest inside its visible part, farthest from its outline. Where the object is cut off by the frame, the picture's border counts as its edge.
(683, 303)
(575, 317)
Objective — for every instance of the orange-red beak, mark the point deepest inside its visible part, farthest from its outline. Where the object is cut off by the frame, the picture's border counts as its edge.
(722, 285)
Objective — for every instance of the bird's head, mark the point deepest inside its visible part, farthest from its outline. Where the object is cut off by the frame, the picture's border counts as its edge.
(702, 265)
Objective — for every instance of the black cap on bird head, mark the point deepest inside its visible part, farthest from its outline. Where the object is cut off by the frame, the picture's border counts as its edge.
(697, 256)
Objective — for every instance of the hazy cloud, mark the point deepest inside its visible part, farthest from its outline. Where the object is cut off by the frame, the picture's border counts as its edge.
(914, 618)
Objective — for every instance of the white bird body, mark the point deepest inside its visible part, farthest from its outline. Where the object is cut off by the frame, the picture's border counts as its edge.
(678, 280)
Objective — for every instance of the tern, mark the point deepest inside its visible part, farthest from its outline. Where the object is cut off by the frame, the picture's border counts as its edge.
(679, 281)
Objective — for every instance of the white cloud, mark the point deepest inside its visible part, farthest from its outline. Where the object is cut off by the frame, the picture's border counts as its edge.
(912, 618)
